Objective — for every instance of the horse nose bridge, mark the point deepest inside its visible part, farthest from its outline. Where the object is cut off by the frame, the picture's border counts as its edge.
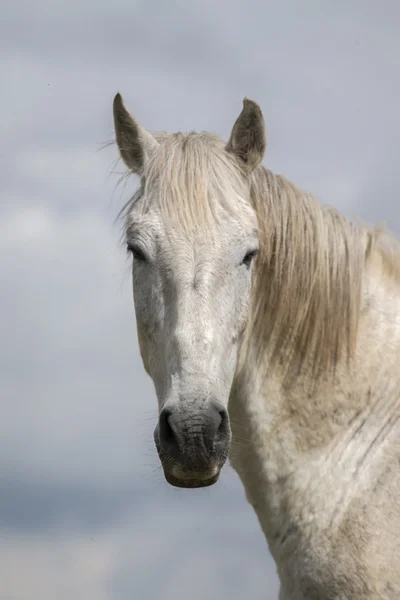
(191, 339)
(192, 333)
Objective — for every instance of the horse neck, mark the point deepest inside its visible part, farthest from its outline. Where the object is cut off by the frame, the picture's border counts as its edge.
(289, 432)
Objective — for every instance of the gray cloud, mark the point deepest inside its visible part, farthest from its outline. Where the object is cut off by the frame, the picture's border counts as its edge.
(36, 506)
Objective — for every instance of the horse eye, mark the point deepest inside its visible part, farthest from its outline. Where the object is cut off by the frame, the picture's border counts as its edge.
(136, 252)
(249, 257)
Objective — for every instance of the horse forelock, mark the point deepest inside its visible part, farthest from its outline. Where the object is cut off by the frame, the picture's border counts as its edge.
(194, 182)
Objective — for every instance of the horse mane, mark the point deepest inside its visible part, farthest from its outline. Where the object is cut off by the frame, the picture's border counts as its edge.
(308, 276)
(308, 292)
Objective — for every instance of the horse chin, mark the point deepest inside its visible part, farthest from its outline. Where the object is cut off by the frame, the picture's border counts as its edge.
(191, 481)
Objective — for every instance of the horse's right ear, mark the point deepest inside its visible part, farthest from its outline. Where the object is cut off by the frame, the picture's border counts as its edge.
(135, 143)
(248, 139)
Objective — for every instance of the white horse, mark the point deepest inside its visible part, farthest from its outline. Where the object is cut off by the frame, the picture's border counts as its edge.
(270, 326)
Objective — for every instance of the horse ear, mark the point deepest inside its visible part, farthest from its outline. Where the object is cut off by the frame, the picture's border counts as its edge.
(135, 143)
(248, 139)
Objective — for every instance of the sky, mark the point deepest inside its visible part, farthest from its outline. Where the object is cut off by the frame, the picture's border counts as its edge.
(84, 509)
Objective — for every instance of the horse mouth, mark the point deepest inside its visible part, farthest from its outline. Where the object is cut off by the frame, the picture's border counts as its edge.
(192, 480)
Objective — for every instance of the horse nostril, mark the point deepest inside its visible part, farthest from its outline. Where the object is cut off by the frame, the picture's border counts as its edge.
(167, 435)
(223, 427)
(222, 417)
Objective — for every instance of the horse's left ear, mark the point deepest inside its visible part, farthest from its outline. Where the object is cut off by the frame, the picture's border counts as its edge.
(248, 139)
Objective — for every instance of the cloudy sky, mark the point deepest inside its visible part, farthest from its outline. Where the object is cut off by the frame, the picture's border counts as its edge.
(84, 510)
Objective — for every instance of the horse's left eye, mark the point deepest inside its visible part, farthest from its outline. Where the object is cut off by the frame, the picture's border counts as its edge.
(249, 257)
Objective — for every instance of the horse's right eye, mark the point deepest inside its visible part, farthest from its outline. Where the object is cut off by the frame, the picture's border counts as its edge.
(136, 252)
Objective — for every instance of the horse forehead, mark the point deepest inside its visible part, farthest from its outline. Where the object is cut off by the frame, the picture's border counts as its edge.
(172, 231)
(174, 244)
